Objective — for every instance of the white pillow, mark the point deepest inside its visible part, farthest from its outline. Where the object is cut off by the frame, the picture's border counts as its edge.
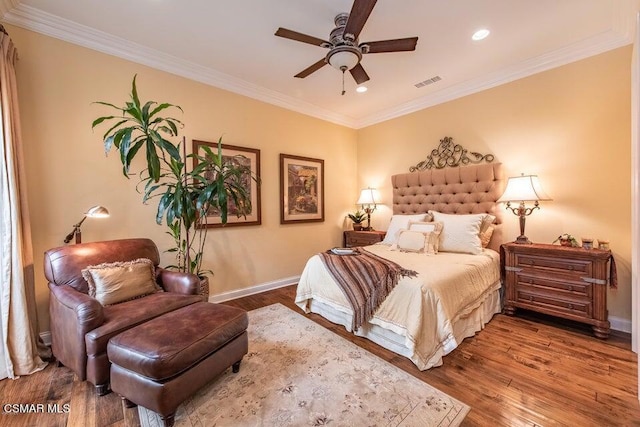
(400, 222)
(460, 232)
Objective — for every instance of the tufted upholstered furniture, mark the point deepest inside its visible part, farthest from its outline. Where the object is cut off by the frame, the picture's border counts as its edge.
(80, 326)
(159, 370)
(460, 190)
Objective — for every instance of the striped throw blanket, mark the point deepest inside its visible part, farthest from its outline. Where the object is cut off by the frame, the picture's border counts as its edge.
(366, 280)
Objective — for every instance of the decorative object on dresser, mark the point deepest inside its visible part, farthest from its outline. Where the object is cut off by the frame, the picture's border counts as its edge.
(560, 281)
(521, 189)
(567, 240)
(352, 238)
(368, 200)
(93, 212)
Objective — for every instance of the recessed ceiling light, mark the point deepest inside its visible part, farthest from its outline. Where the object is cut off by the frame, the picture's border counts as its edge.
(480, 34)
(361, 89)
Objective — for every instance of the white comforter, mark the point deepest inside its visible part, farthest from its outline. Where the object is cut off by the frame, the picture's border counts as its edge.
(421, 309)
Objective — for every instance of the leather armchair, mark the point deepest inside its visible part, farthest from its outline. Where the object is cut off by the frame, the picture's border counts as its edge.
(80, 326)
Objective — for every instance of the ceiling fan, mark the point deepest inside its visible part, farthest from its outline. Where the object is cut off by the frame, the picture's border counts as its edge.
(345, 53)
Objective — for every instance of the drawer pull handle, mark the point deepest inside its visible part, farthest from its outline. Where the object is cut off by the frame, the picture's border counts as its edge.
(530, 281)
(570, 288)
(530, 298)
(570, 306)
(571, 267)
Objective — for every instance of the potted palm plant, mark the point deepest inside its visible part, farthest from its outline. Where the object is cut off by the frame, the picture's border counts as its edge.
(184, 196)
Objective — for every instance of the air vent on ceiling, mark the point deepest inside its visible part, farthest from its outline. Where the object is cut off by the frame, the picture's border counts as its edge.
(428, 81)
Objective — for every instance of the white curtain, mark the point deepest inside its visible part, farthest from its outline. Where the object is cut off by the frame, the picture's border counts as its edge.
(19, 344)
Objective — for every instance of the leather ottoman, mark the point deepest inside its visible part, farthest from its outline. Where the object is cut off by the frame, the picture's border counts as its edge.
(160, 363)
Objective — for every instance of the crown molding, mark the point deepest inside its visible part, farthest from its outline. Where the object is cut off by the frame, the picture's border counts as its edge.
(54, 26)
(589, 47)
(620, 34)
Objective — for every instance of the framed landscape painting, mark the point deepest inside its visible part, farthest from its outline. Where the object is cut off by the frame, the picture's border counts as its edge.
(243, 156)
(301, 189)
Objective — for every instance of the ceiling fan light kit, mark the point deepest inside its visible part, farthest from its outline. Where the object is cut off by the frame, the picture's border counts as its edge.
(345, 54)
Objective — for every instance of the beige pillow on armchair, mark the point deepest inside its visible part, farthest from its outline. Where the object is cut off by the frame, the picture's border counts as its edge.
(115, 282)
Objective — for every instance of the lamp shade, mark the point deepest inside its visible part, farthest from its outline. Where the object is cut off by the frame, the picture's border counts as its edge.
(369, 196)
(97, 212)
(525, 188)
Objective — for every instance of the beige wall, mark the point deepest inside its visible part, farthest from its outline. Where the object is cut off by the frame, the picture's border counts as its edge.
(570, 126)
(67, 171)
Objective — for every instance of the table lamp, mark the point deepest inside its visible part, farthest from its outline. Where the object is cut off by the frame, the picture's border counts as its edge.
(521, 189)
(369, 199)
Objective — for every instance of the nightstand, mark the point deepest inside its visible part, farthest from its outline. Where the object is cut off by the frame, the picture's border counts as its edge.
(560, 281)
(353, 238)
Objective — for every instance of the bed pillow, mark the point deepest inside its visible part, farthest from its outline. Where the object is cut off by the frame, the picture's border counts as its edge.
(400, 222)
(486, 229)
(116, 282)
(460, 233)
(418, 241)
(428, 227)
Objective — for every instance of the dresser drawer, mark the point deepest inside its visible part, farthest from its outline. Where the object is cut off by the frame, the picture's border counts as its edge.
(560, 287)
(554, 263)
(532, 300)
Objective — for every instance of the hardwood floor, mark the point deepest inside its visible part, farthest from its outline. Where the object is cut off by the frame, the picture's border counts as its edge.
(527, 370)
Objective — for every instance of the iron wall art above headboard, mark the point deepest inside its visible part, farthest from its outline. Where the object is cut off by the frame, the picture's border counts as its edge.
(449, 154)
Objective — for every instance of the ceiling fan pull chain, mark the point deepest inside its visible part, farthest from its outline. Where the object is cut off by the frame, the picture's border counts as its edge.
(343, 70)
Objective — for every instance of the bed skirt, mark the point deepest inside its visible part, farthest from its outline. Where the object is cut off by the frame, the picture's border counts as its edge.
(464, 326)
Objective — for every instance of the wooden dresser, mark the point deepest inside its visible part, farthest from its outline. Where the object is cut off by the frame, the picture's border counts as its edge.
(353, 238)
(560, 281)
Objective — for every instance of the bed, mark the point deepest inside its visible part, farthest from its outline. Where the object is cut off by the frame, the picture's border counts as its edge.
(452, 296)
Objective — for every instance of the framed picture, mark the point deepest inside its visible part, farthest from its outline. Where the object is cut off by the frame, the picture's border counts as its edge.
(248, 157)
(301, 189)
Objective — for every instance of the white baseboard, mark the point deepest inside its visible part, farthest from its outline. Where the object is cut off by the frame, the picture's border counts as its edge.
(617, 323)
(620, 324)
(245, 292)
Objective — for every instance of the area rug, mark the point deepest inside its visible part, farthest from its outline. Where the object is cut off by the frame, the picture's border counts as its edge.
(298, 373)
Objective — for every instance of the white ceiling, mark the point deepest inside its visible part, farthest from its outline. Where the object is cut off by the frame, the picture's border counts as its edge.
(230, 44)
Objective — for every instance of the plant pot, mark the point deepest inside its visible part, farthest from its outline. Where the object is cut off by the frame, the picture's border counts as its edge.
(565, 242)
(357, 227)
(204, 288)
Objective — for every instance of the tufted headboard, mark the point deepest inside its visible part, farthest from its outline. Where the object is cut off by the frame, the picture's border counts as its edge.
(456, 190)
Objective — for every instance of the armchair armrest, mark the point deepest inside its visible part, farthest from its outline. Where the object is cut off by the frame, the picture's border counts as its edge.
(72, 314)
(178, 282)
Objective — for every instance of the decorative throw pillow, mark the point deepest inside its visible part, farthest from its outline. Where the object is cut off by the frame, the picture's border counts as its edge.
(400, 222)
(461, 233)
(486, 229)
(435, 228)
(418, 241)
(115, 282)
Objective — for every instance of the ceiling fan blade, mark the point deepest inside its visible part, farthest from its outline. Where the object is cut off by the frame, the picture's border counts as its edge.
(299, 37)
(359, 74)
(396, 45)
(315, 67)
(358, 16)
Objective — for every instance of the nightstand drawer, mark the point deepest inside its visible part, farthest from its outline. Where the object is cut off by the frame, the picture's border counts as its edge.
(561, 288)
(354, 238)
(535, 301)
(557, 264)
